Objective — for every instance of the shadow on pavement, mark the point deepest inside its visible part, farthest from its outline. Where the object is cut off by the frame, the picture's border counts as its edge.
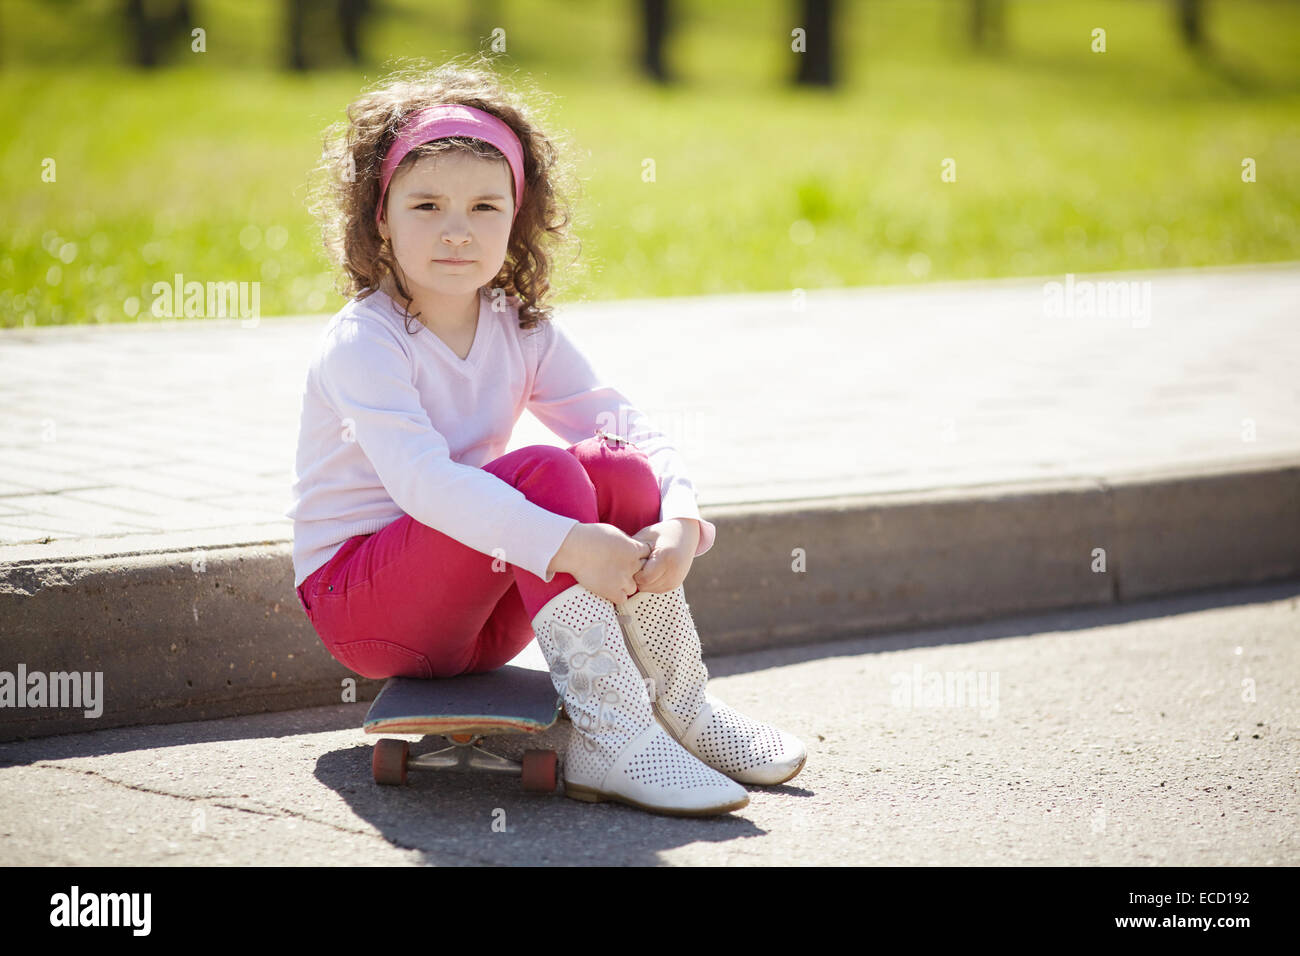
(453, 818)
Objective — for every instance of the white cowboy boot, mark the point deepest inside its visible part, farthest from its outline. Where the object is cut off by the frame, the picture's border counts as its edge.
(662, 639)
(617, 751)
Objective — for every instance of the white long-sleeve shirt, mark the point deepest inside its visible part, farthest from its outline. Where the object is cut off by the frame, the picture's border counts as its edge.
(395, 423)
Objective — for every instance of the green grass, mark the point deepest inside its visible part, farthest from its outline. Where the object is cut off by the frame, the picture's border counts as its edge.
(1066, 160)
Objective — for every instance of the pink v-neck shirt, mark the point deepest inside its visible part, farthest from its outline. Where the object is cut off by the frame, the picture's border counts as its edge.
(397, 423)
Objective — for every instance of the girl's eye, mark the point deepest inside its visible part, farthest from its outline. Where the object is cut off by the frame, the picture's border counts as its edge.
(482, 205)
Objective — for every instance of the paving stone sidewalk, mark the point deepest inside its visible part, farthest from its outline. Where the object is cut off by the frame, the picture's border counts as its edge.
(118, 434)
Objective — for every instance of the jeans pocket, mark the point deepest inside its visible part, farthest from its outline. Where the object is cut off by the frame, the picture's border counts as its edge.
(381, 659)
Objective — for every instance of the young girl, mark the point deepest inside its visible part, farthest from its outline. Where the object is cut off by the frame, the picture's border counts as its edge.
(420, 549)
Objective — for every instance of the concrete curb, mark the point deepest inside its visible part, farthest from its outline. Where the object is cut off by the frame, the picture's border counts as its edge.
(179, 637)
(900, 561)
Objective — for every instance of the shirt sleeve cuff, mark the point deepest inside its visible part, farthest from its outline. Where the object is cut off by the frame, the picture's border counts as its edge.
(543, 532)
(680, 502)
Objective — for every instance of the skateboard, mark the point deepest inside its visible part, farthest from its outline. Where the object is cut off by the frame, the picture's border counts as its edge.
(518, 698)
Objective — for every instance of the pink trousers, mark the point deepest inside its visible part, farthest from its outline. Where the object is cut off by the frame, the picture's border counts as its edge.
(410, 601)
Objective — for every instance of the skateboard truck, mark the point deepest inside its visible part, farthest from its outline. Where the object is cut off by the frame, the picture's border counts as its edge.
(392, 760)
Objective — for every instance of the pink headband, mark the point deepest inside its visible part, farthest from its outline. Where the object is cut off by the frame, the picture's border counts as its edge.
(452, 119)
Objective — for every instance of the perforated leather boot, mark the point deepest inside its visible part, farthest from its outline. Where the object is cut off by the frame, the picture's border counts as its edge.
(662, 639)
(617, 750)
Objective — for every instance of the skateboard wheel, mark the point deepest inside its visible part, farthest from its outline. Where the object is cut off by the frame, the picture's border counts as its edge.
(389, 761)
(539, 770)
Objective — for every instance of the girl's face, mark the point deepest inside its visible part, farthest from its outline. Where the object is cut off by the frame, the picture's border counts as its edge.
(454, 206)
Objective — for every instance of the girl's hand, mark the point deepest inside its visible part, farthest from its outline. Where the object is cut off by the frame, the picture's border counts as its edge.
(674, 542)
(602, 559)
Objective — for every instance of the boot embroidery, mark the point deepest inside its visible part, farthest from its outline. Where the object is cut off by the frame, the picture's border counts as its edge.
(600, 723)
(582, 658)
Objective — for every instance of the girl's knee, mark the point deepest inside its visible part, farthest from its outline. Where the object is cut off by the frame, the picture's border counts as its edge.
(627, 491)
(601, 457)
(557, 469)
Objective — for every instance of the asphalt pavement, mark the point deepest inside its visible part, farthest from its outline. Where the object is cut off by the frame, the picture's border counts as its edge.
(1158, 733)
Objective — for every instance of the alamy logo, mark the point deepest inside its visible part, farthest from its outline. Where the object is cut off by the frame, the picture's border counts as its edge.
(102, 909)
(922, 688)
(58, 689)
(213, 300)
(1103, 300)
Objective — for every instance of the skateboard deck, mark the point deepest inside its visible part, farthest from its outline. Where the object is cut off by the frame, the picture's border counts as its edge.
(517, 698)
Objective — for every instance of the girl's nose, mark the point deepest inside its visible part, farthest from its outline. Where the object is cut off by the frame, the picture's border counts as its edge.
(455, 230)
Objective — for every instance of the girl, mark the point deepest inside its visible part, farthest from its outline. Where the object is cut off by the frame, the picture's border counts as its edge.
(420, 549)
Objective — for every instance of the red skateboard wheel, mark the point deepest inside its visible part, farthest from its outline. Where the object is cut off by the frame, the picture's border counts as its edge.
(389, 761)
(539, 770)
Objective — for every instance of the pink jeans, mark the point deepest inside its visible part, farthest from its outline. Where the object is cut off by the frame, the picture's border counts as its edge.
(408, 600)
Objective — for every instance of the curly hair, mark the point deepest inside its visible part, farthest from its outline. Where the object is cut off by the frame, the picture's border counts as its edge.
(344, 201)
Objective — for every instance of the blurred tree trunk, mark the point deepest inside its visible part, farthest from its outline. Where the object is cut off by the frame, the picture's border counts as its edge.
(316, 31)
(352, 14)
(295, 28)
(655, 23)
(153, 33)
(142, 33)
(987, 18)
(816, 63)
(1190, 22)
